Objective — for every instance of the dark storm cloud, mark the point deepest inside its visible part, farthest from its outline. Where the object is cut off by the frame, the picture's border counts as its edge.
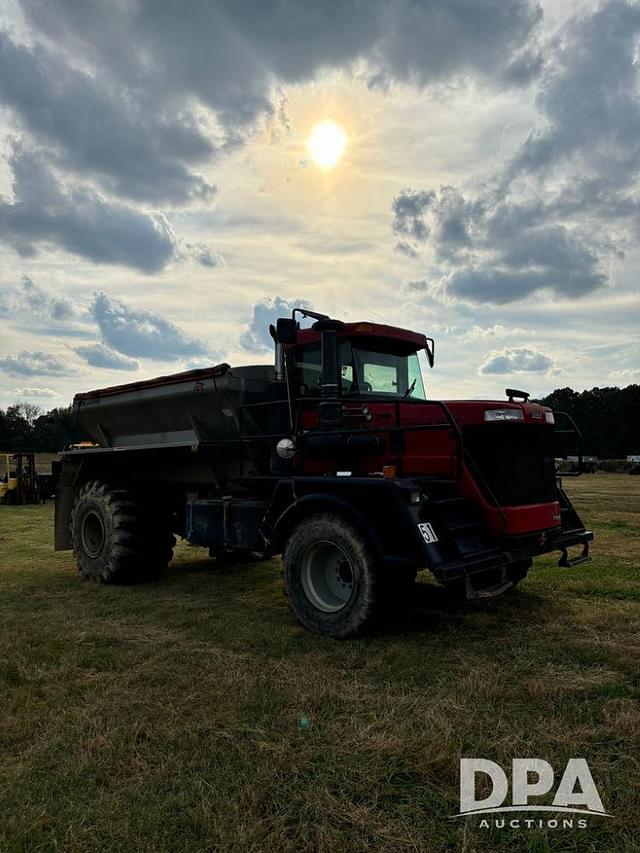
(43, 213)
(34, 364)
(228, 53)
(518, 360)
(99, 355)
(137, 151)
(567, 202)
(256, 337)
(518, 262)
(143, 334)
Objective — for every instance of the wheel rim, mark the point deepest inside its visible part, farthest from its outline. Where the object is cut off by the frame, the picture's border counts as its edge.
(93, 534)
(327, 576)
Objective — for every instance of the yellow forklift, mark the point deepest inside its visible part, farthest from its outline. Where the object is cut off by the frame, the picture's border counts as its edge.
(19, 483)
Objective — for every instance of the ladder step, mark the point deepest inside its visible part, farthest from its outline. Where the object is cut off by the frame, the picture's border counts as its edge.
(481, 554)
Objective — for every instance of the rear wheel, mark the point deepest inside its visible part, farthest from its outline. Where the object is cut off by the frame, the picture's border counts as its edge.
(331, 579)
(117, 537)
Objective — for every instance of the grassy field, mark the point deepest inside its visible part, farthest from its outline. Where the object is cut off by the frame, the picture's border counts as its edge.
(195, 715)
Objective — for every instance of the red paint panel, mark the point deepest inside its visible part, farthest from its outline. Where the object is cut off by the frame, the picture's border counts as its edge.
(526, 519)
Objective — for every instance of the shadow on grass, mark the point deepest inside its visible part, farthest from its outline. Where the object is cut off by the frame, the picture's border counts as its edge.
(432, 608)
(196, 561)
(428, 609)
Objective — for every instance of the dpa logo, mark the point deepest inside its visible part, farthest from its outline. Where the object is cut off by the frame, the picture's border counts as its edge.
(576, 792)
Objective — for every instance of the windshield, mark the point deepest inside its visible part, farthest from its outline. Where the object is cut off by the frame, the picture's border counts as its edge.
(364, 371)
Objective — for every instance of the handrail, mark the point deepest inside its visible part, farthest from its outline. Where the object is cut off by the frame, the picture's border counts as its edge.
(575, 430)
(478, 475)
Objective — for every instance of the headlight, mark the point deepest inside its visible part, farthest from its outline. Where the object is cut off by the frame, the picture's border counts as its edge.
(286, 448)
(548, 416)
(503, 415)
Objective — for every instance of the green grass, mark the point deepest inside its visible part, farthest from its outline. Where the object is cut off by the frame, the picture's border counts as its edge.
(194, 714)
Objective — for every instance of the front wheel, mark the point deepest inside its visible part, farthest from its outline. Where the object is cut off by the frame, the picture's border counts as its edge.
(331, 578)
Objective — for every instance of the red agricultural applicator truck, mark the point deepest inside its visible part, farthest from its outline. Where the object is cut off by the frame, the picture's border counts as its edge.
(335, 458)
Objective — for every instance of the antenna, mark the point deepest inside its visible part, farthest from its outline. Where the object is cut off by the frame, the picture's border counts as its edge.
(305, 313)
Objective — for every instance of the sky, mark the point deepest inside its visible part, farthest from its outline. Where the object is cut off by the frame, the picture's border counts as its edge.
(161, 204)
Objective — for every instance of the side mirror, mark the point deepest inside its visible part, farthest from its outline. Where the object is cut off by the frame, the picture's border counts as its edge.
(430, 350)
(286, 330)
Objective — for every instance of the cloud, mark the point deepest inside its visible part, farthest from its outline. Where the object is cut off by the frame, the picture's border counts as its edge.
(34, 364)
(256, 337)
(452, 218)
(404, 247)
(125, 332)
(588, 98)
(566, 205)
(98, 129)
(501, 252)
(39, 302)
(99, 355)
(143, 334)
(228, 54)
(496, 331)
(408, 213)
(35, 392)
(143, 96)
(204, 255)
(433, 39)
(518, 360)
(45, 213)
(34, 309)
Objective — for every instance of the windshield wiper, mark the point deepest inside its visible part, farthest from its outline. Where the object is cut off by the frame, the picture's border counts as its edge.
(409, 390)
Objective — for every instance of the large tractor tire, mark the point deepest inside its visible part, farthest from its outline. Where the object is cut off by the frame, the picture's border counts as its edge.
(331, 578)
(118, 538)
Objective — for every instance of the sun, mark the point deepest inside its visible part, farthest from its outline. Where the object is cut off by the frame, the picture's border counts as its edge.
(326, 144)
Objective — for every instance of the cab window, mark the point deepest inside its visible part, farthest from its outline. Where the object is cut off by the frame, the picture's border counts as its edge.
(362, 371)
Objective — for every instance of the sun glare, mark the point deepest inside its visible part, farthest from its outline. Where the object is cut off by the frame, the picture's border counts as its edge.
(326, 144)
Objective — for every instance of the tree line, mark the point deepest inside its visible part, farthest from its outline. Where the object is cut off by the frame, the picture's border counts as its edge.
(608, 417)
(24, 426)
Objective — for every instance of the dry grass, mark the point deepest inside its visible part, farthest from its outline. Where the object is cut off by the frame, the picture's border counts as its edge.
(195, 715)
